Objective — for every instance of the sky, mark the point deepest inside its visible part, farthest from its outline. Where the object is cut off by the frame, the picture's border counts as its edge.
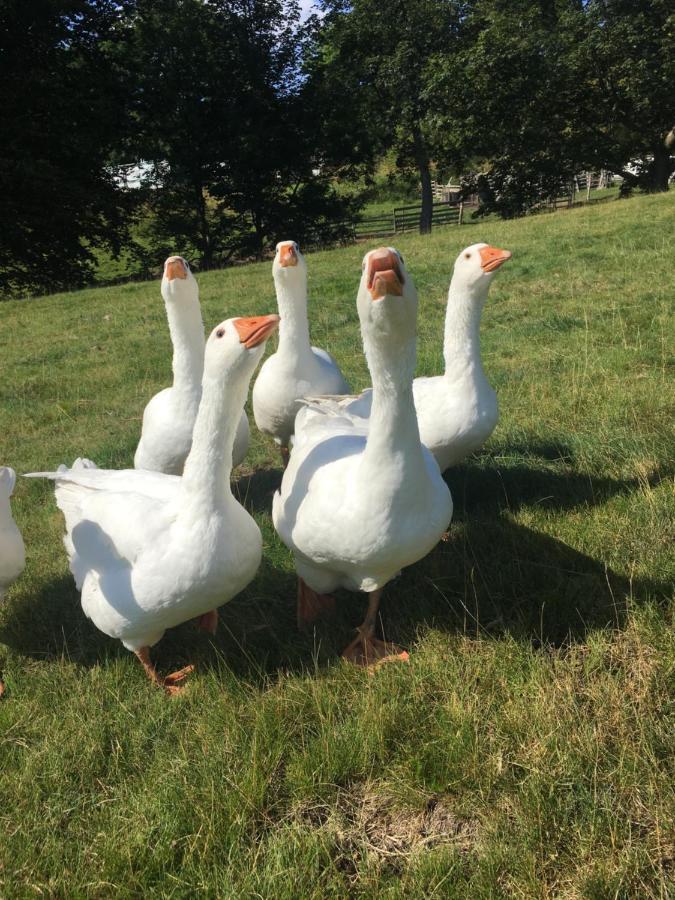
(306, 7)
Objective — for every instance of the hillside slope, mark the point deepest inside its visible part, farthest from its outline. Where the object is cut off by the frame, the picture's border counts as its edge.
(526, 750)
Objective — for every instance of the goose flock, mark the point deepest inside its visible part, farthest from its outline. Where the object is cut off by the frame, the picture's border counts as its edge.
(362, 493)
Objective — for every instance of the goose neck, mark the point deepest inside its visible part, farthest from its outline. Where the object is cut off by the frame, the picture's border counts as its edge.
(461, 344)
(205, 485)
(294, 325)
(187, 336)
(393, 430)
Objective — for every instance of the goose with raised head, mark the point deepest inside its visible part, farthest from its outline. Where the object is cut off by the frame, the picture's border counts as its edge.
(169, 417)
(356, 504)
(12, 550)
(148, 550)
(297, 369)
(457, 411)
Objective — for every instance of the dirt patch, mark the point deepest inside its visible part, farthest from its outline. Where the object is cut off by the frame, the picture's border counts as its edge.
(363, 823)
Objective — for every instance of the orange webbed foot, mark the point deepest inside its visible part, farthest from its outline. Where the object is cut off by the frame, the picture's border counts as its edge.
(172, 682)
(371, 653)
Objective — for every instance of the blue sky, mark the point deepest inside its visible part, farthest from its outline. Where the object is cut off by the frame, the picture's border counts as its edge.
(306, 6)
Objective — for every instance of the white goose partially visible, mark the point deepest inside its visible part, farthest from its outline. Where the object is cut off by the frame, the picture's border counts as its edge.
(12, 551)
(169, 417)
(148, 550)
(457, 411)
(357, 504)
(297, 369)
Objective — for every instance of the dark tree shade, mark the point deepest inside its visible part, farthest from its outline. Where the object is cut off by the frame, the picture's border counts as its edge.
(379, 57)
(231, 129)
(63, 111)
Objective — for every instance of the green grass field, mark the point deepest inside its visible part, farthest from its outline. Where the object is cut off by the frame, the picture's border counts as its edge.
(527, 748)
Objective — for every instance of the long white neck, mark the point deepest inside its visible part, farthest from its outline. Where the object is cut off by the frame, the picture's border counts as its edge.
(393, 434)
(294, 325)
(205, 485)
(187, 335)
(461, 343)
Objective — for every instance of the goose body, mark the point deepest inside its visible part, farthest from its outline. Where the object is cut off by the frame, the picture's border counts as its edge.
(360, 500)
(297, 369)
(457, 411)
(12, 551)
(169, 417)
(149, 550)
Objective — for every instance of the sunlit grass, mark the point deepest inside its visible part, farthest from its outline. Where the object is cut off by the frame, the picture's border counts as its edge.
(525, 751)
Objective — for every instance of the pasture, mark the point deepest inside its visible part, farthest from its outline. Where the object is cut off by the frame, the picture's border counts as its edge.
(527, 748)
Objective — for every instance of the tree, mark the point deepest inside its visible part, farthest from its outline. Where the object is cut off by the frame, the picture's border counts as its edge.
(625, 63)
(381, 62)
(542, 89)
(221, 115)
(63, 111)
(506, 99)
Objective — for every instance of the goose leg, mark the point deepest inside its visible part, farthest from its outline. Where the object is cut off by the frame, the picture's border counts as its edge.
(170, 683)
(208, 622)
(367, 650)
(311, 605)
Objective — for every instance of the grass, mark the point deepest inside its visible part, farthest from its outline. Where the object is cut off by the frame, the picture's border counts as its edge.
(525, 751)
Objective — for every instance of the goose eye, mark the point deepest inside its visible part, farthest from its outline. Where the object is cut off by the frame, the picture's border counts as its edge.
(220, 332)
(467, 256)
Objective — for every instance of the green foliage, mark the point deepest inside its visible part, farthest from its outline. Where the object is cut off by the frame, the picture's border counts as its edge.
(626, 64)
(544, 90)
(228, 127)
(525, 751)
(63, 112)
(381, 61)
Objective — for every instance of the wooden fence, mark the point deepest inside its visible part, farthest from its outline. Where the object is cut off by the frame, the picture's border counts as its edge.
(406, 218)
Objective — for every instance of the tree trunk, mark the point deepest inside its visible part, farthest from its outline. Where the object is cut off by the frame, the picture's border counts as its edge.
(259, 233)
(422, 160)
(660, 169)
(206, 247)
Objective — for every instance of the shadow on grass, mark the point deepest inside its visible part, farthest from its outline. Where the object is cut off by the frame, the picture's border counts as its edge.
(492, 576)
(494, 489)
(256, 634)
(255, 490)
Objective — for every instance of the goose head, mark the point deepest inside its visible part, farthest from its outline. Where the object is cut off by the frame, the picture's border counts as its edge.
(476, 265)
(289, 265)
(387, 298)
(234, 348)
(178, 282)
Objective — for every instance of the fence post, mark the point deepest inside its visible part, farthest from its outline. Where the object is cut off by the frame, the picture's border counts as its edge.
(589, 182)
(460, 219)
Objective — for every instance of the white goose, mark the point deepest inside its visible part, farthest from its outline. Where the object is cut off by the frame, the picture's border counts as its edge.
(12, 551)
(357, 505)
(457, 411)
(169, 417)
(148, 550)
(297, 369)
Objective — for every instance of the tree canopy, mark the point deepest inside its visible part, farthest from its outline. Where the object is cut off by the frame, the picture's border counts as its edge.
(245, 122)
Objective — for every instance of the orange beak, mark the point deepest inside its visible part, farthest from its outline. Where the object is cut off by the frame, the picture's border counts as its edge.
(256, 329)
(175, 267)
(287, 256)
(492, 258)
(384, 274)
